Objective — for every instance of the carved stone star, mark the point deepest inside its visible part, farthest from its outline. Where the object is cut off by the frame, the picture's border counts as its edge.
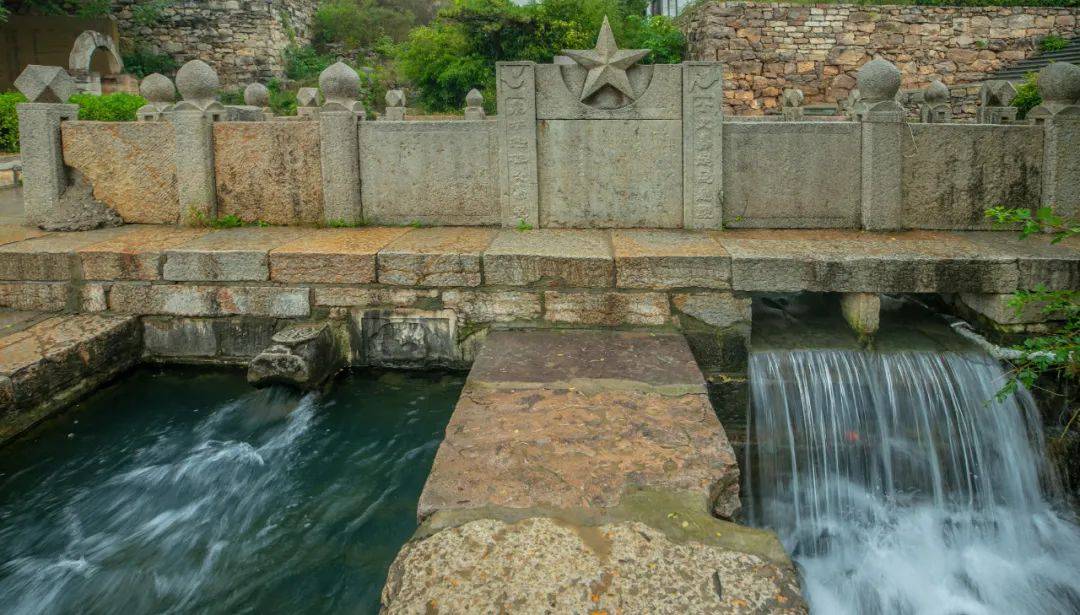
(606, 63)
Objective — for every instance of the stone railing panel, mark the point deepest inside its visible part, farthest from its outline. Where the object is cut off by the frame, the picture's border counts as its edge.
(430, 172)
(269, 171)
(130, 166)
(953, 172)
(792, 174)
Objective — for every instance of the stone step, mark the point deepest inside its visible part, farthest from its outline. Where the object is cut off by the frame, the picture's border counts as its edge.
(578, 474)
(46, 362)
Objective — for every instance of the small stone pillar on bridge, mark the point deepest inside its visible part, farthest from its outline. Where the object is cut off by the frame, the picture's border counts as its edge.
(474, 105)
(339, 146)
(791, 101)
(193, 121)
(935, 107)
(307, 103)
(1059, 113)
(395, 106)
(995, 102)
(883, 128)
(160, 94)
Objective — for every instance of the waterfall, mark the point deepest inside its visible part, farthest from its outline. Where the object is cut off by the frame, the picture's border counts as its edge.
(900, 485)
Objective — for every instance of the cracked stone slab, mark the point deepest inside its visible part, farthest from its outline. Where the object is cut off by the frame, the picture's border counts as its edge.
(1055, 266)
(546, 565)
(52, 256)
(659, 259)
(136, 255)
(332, 256)
(10, 233)
(550, 257)
(438, 256)
(855, 261)
(227, 255)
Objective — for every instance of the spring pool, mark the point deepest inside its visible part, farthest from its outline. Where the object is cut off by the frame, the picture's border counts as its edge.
(184, 490)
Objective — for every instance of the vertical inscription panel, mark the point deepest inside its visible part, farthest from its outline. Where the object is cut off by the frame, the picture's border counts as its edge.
(516, 99)
(703, 144)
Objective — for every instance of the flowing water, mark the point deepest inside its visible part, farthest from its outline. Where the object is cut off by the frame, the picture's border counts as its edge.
(187, 491)
(900, 486)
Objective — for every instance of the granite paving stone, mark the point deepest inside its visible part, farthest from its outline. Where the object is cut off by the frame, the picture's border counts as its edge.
(437, 256)
(332, 256)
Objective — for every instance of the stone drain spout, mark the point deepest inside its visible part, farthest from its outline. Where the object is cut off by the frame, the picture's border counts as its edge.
(301, 356)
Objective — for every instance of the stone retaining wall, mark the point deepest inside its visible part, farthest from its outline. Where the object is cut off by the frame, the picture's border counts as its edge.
(769, 47)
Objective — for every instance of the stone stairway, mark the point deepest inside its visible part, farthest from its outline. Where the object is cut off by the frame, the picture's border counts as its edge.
(578, 474)
(1019, 70)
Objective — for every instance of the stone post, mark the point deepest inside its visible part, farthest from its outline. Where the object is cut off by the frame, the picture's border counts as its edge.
(47, 88)
(703, 145)
(1059, 114)
(256, 96)
(474, 105)
(307, 102)
(791, 100)
(339, 146)
(395, 106)
(160, 94)
(193, 121)
(995, 102)
(883, 129)
(519, 194)
(862, 311)
(935, 107)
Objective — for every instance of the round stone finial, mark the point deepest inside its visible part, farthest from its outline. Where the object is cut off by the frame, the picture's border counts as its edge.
(936, 93)
(339, 83)
(878, 80)
(474, 98)
(395, 98)
(1060, 83)
(197, 81)
(157, 88)
(256, 95)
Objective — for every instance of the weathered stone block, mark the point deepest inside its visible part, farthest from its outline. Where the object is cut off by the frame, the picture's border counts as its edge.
(171, 299)
(10, 233)
(42, 296)
(437, 173)
(669, 259)
(332, 256)
(606, 308)
(862, 311)
(550, 257)
(406, 337)
(269, 171)
(302, 356)
(135, 255)
(493, 306)
(1040, 263)
(94, 297)
(713, 309)
(600, 174)
(244, 336)
(998, 308)
(273, 301)
(227, 255)
(435, 257)
(339, 296)
(129, 165)
(51, 257)
(180, 337)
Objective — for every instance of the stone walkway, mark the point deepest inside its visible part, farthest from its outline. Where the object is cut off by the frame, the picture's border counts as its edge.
(47, 361)
(578, 474)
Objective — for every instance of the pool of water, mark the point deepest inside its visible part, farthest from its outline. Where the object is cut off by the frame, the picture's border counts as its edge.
(185, 490)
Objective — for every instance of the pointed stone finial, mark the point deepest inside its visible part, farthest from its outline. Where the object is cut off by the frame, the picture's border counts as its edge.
(474, 105)
(995, 102)
(395, 106)
(607, 64)
(256, 95)
(45, 84)
(935, 107)
(307, 102)
(160, 93)
(340, 86)
(878, 80)
(198, 84)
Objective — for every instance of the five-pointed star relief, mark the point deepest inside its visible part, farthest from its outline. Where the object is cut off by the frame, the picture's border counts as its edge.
(606, 63)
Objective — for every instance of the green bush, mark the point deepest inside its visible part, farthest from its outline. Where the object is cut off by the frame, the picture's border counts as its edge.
(360, 23)
(118, 107)
(458, 50)
(9, 121)
(1053, 43)
(142, 62)
(303, 63)
(1027, 95)
(283, 102)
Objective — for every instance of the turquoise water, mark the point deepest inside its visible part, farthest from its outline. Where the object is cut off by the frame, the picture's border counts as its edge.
(187, 491)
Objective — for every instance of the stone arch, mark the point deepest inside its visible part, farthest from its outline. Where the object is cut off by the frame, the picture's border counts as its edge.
(82, 52)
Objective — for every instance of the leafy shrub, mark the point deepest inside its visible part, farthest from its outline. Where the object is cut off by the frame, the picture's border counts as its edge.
(149, 12)
(304, 63)
(118, 107)
(283, 102)
(1027, 95)
(1053, 43)
(359, 23)
(142, 62)
(9, 121)
(231, 97)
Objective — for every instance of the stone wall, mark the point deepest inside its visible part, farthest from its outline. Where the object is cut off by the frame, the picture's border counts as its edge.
(242, 39)
(769, 47)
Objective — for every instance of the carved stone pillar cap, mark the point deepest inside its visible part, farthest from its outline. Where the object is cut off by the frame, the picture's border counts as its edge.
(395, 98)
(256, 95)
(45, 84)
(157, 88)
(339, 84)
(197, 82)
(474, 98)
(1060, 83)
(307, 97)
(936, 93)
(878, 80)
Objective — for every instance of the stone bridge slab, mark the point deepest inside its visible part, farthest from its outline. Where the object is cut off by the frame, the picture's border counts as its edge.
(575, 419)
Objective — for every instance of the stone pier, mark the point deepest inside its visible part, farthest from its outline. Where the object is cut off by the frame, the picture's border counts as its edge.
(578, 474)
